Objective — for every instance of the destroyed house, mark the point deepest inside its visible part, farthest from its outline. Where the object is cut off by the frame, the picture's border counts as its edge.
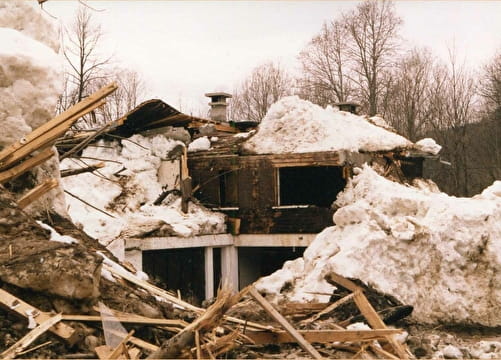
(275, 202)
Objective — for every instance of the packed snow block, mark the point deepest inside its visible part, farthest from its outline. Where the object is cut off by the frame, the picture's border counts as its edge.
(438, 253)
(30, 84)
(28, 18)
(29, 259)
(293, 125)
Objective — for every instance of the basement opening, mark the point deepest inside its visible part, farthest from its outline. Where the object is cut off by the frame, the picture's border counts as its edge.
(255, 262)
(309, 185)
(179, 269)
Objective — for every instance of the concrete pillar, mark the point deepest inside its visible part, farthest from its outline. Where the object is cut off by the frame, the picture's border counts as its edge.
(209, 272)
(229, 266)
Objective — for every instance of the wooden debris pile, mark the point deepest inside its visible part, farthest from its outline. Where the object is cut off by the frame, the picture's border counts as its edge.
(211, 333)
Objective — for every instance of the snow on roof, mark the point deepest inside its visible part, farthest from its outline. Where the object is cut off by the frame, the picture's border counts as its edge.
(293, 125)
(127, 187)
(438, 253)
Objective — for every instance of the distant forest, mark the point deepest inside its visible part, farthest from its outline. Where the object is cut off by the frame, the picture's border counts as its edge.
(360, 56)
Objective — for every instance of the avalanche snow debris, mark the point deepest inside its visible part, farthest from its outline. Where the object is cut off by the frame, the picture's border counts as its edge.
(200, 144)
(27, 17)
(438, 253)
(295, 125)
(30, 83)
(129, 196)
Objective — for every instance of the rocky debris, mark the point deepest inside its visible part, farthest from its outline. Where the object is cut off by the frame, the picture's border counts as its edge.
(29, 260)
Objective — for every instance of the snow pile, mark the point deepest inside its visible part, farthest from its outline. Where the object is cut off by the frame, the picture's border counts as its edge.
(55, 236)
(126, 189)
(439, 253)
(293, 125)
(200, 144)
(30, 82)
(428, 145)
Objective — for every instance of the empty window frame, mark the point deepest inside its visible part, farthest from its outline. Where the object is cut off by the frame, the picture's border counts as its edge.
(309, 185)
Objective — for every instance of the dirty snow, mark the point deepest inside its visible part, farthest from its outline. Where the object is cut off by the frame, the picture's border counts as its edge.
(30, 84)
(55, 236)
(200, 144)
(439, 253)
(293, 125)
(126, 189)
(428, 145)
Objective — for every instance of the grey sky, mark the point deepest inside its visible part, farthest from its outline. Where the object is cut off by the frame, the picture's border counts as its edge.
(187, 48)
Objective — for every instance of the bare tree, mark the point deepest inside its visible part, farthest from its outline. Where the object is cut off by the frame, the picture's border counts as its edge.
(266, 84)
(453, 110)
(406, 102)
(81, 52)
(130, 92)
(373, 28)
(324, 62)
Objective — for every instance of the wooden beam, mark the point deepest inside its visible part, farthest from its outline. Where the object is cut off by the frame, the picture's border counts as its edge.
(26, 340)
(121, 348)
(320, 336)
(138, 342)
(328, 309)
(376, 323)
(285, 324)
(36, 192)
(333, 278)
(14, 304)
(128, 320)
(91, 168)
(43, 140)
(86, 141)
(26, 165)
(174, 300)
(79, 110)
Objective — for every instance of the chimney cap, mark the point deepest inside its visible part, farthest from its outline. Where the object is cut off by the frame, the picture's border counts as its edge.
(223, 94)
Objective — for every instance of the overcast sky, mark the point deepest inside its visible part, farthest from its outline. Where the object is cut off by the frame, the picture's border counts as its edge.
(186, 48)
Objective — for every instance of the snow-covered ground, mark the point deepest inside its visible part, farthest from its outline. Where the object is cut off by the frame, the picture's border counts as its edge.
(439, 253)
(293, 125)
(127, 187)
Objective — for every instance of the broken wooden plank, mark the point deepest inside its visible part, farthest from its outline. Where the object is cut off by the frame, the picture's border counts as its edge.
(43, 140)
(174, 346)
(296, 307)
(286, 325)
(138, 342)
(34, 348)
(26, 340)
(376, 323)
(90, 168)
(174, 300)
(79, 109)
(103, 351)
(26, 165)
(121, 348)
(36, 192)
(86, 141)
(333, 278)
(127, 320)
(320, 336)
(328, 309)
(14, 304)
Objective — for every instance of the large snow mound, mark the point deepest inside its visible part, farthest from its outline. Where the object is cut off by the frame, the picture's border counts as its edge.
(28, 18)
(293, 125)
(30, 84)
(127, 187)
(439, 253)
